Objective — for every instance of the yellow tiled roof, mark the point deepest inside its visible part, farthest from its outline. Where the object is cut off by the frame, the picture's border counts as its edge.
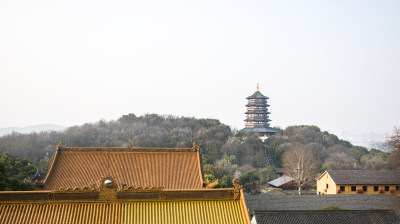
(156, 167)
(134, 212)
(180, 206)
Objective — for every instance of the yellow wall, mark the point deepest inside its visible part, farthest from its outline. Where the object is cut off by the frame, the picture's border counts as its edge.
(321, 185)
(332, 187)
(370, 189)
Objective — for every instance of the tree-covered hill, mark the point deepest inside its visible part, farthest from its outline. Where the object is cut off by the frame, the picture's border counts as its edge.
(224, 150)
(215, 139)
(329, 151)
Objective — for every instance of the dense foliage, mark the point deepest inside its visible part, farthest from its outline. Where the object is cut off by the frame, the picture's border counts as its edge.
(227, 152)
(13, 171)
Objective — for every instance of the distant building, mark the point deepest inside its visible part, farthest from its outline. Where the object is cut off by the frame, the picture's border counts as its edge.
(257, 115)
(282, 182)
(359, 182)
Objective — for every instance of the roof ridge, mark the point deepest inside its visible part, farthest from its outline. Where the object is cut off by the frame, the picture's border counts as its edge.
(128, 149)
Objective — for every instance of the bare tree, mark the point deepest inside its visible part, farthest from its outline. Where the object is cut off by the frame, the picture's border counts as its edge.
(300, 164)
(393, 141)
(394, 144)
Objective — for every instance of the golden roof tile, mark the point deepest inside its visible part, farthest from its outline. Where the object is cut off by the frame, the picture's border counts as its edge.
(170, 168)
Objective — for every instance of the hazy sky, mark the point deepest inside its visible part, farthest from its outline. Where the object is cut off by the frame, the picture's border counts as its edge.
(334, 64)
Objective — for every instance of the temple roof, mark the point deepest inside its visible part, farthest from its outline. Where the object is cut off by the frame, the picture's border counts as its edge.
(257, 95)
(260, 130)
(170, 168)
(128, 205)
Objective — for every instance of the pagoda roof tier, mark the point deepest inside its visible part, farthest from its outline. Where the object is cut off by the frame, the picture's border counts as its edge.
(260, 130)
(250, 119)
(257, 95)
(257, 112)
(257, 105)
(170, 168)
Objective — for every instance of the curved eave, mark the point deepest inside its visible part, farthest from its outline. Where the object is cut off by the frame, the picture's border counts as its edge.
(260, 129)
(257, 112)
(257, 105)
(257, 95)
(52, 164)
(265, 120)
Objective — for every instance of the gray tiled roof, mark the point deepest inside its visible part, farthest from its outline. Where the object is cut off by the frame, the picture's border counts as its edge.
(364, 177)
(257, 95)
(259, 129)
(313, 202)
(280, 181)
(336, 216)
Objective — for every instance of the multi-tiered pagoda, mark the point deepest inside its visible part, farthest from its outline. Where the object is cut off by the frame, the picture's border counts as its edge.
(257, 114)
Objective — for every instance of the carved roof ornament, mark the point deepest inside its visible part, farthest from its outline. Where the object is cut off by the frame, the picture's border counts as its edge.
(236, 193)
(129, 144)
(196, 147)
(139, 188)
(235, 183)
(60, 146)
(212, 185)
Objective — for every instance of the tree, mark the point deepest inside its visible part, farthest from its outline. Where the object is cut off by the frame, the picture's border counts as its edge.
(393, 143)
(300, 164)
(268, 174)
(339, 161)
(249, 180)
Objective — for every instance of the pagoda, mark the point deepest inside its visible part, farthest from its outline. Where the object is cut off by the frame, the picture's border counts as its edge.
(257, 115)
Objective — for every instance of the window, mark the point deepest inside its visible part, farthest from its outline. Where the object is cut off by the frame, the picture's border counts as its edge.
(397, 188)
(327, 186)
(342, 188)
(376, 188)
(353, 188)
(365, 188)
(386, 188)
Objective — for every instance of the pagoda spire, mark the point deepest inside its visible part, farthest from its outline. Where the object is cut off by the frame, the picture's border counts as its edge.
(258, 90)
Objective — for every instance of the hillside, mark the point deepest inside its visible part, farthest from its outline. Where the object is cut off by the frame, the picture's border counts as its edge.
(224, 151)
(215, 139)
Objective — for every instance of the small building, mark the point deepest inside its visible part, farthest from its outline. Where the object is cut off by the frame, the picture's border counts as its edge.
(358, 182)
(279, 171)
(282, 182)
(257, 115)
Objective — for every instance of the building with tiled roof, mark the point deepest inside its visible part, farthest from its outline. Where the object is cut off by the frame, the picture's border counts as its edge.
(326, 216)
(280, 181)
(314, 202)
(359, 182)
(109, 203)
(169, 168)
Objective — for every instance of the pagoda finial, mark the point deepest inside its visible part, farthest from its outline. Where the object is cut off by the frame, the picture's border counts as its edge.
(258, 90)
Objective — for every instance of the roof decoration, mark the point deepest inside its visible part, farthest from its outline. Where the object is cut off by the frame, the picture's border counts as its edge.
(60, 146)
